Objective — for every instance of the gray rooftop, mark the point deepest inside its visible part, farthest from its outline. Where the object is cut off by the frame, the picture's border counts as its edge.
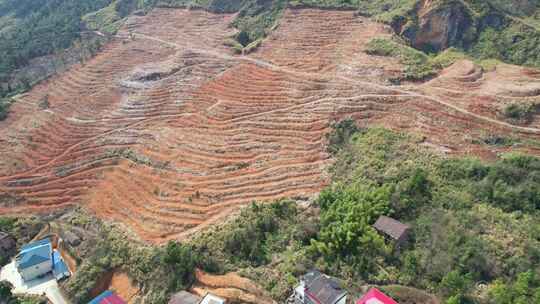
(323, 288)
(184, 297)
(391, 227)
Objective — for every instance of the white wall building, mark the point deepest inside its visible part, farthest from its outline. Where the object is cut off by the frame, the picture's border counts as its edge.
(35, 260)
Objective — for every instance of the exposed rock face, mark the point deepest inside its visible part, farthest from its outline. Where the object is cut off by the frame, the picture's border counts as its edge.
(440, 25)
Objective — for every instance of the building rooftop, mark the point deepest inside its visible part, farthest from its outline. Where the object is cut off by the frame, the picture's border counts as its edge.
(60, 270)
(34, 253)
(212, 299)
(323, 288)
(35, 244)
(375, 296)
(184, 297)
(391, 227)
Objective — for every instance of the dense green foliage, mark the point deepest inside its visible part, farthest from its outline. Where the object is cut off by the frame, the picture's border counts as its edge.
(346, 235)
(515, 43)
(40, 28)
(526, 289)
(463, 211)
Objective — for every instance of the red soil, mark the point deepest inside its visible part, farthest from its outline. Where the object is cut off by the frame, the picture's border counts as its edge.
(120, 283)
(169, 132)
(230, 286)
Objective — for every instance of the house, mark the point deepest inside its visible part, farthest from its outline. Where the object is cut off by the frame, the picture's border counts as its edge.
(35, 259)
(212, 299)
(107, 297)
(184, 297)
(392, 229)
(318, 288)
(375, 296)
(7, 245)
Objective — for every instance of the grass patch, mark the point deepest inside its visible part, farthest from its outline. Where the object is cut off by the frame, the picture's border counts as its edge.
(106, 20)
(418, 65)
(335, 4)
(448, 57)
(257, 19)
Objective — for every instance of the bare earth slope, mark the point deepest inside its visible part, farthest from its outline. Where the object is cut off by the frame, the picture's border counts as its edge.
(166, 131)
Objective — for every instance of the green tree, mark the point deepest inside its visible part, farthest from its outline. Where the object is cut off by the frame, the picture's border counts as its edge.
(411, 194)
(181, 262)
(455, 284)
(346, 232)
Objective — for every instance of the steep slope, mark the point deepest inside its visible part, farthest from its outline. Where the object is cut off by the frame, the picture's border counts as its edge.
(167, 132)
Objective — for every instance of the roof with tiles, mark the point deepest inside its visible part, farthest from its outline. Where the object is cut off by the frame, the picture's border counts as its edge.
(391, 227)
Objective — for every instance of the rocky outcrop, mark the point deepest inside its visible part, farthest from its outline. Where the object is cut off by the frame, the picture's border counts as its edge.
(439, 25)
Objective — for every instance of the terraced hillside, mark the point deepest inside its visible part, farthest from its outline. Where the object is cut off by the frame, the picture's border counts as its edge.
(167, 132)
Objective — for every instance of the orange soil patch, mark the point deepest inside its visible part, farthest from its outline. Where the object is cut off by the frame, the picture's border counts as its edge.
(120, 283)
(170, 132)
(231, 287)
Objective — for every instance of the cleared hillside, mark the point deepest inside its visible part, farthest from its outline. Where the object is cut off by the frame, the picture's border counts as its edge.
(167, 131)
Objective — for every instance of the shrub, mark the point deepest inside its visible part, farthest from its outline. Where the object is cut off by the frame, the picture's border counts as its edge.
(411, 194)
(526, 289)
(418, 66)
(521, 112)
(249, 240)
(341, 134)
(180, 261)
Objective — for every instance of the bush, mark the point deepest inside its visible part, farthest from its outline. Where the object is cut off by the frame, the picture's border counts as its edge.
(411, 194)
(249, 240)
(526, 289)
(418, 65)
(521, 112)
(341, 134)
(180, 261)
(455, 284)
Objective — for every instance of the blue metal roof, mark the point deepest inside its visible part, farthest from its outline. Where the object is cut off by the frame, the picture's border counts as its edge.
(60, 269)
(34, 253)
(35, 244)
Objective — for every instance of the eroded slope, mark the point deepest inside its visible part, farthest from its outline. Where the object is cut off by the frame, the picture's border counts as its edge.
(166, 131)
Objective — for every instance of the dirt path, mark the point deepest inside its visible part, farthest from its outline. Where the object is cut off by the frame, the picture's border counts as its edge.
(230, 286)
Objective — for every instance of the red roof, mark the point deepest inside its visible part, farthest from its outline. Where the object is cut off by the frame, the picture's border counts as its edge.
(375, 296)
